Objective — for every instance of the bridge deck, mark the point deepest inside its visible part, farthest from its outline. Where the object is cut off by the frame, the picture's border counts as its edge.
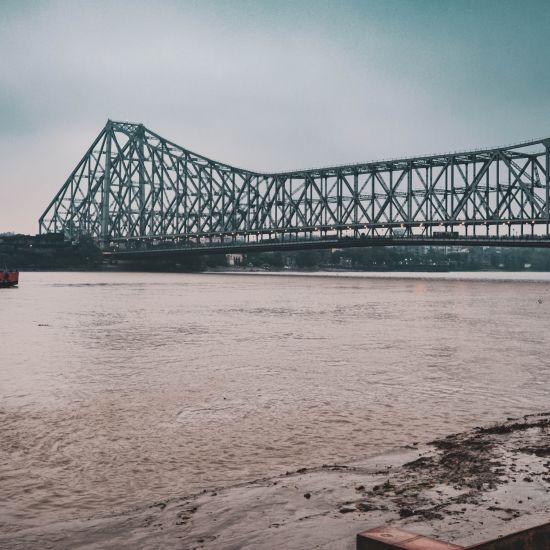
(165, 250)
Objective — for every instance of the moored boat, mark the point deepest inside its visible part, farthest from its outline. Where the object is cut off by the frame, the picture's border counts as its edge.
(8, 277)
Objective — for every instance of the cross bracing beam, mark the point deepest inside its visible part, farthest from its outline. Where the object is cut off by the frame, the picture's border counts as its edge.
(132, 185)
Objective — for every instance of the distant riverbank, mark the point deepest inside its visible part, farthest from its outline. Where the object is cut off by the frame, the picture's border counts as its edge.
(54, 252)
(455, 274)
(481, 275)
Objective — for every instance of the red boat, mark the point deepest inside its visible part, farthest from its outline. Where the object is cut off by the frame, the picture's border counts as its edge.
(8, 277)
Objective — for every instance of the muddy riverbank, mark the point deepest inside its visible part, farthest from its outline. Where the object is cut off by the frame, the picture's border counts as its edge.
(466, 488)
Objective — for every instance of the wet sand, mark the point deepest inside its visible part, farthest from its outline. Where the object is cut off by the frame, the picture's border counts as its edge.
(464, 488)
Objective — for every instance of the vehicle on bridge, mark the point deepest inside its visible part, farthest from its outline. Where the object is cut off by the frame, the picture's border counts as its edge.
(445, 234)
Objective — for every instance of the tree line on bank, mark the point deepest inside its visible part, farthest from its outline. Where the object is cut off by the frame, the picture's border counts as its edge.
(27, 252)
(32, 253)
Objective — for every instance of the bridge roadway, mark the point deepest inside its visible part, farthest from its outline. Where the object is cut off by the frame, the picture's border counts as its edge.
(165, 250)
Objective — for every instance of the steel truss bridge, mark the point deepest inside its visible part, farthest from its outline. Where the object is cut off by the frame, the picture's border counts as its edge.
(140, 195)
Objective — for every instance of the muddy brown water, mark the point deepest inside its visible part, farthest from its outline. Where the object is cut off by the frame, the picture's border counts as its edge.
(121, 389)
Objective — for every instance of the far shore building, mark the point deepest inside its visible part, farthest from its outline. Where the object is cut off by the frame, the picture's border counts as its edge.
(234, 259)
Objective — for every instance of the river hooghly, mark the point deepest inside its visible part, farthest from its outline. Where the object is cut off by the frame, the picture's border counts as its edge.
(119, 389)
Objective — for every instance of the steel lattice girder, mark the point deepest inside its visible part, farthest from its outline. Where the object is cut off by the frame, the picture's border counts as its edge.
(134, 184)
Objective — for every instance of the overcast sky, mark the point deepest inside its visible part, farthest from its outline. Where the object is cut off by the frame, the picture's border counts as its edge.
(267, 85)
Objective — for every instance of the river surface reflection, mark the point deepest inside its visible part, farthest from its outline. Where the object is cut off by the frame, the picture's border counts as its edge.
(120, 389)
